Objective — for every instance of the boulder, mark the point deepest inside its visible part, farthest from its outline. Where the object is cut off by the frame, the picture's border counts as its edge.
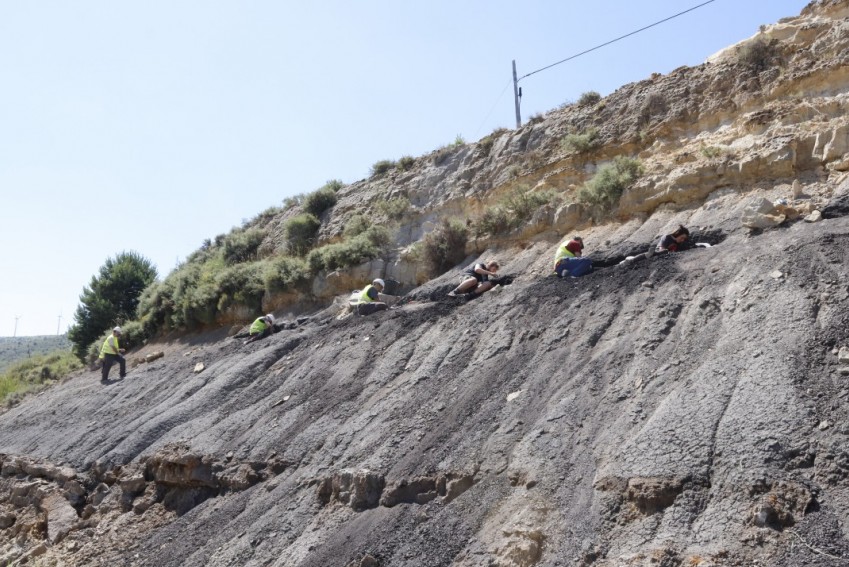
(760, 213)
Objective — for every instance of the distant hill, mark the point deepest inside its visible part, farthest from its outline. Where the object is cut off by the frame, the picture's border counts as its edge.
(13, 349)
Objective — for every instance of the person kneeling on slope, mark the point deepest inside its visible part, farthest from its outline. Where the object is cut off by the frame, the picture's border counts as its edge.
(370, 298)
(568, 261)
(475, 279)
(110, 353)
(261, 328)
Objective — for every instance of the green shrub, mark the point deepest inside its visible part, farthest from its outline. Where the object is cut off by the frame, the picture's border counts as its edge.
(356, 225)
(536, 118)
(524, 203)
(194, 294)
(334, 185)
(486, 143)
(243, 284)
(395, 208)
(494, 220)
(157, 307)
(589, 98)
(583, 143)
(711, 151)
(263, 218)
(361, 248)
(445, 246)
(241, 245)
(293, 201)
(458, 141)
(31, 373)
(758, 55)
(383, 166)
(610, 181)
(286, 273)
(300, 232)
(199, 306)
(406, 163)
(515, 208)
(319, 201)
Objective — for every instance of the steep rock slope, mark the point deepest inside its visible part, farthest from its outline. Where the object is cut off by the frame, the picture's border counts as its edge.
(684, 410)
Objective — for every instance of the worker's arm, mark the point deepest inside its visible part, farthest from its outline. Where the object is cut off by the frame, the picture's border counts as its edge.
(484, 272)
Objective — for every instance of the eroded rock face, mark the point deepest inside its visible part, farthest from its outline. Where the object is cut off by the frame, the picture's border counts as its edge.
(682, 409)
(729, 124)
(42, 504)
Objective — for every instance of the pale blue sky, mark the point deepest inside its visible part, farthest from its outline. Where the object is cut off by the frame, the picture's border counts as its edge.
(150, 126)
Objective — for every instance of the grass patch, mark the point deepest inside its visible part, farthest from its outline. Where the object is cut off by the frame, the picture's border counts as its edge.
(605, 189)
(33, 373)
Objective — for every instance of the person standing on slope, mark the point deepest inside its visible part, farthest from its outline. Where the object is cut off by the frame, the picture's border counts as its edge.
(261, 328)
(475, 280)
(110, 353)
(369, 300)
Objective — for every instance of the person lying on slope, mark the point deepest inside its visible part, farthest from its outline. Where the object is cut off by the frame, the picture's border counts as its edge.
(475, 279)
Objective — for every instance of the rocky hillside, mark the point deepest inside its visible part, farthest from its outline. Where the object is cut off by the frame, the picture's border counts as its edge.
(682, 410)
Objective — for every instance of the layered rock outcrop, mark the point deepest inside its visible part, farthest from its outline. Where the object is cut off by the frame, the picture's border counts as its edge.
(685, 409)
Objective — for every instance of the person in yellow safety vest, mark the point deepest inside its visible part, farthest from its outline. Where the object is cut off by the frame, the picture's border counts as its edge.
(110, 353)
(369, 301)
(261, 328)
(568, 250)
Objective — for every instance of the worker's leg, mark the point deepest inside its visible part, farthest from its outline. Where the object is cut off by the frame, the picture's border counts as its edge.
(104, 369)
(373, 307)
(467, 284)
(483, 288)
(560, 267)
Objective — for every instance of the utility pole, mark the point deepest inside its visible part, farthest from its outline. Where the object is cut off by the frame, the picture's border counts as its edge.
(15, 334)
(517, 94)
(59, 324)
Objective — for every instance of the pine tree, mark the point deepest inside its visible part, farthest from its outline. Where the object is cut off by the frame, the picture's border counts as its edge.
(111, 298)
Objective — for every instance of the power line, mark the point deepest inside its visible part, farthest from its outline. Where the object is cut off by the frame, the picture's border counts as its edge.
(615, 40)
(488, 114)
